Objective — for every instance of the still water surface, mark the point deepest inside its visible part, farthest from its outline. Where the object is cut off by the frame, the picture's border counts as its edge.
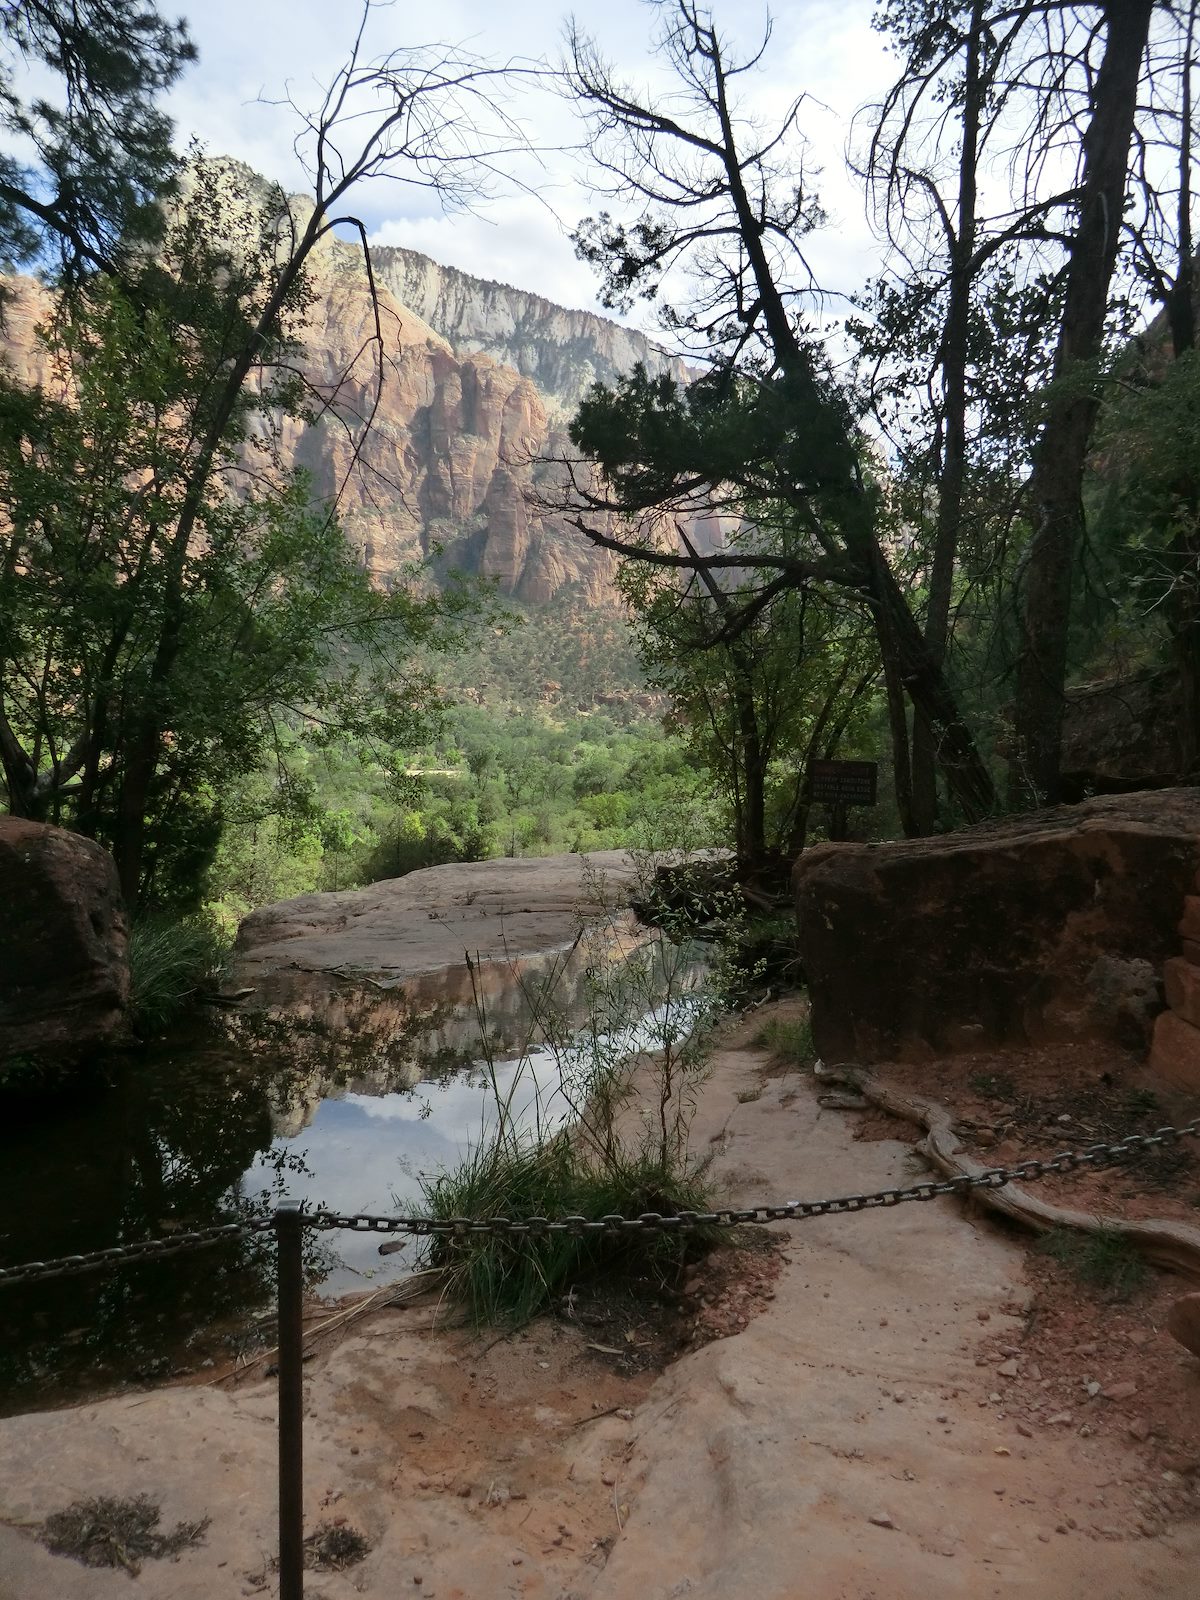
(220, 1126)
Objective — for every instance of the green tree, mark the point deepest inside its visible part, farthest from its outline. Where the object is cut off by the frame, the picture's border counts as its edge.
(276, 629)
(218, 319)
(756, 708)
(726, 210)
(99, 150)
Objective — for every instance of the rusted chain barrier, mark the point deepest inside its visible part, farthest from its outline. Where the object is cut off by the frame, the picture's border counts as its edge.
(290, 1220)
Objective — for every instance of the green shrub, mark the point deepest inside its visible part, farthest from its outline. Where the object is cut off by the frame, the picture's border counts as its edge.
(511, 1277)
(592, 1142)
(789, 1041)
(170, 961)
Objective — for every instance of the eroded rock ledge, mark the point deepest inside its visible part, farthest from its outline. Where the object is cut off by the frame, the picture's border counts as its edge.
(1024, 930)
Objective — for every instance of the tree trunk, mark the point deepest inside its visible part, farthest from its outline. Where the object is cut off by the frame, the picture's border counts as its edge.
(953, 467)
(906, 654)
(1056, 482)
(898, 727)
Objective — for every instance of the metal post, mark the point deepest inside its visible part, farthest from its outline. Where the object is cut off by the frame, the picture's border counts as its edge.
(289, 1235)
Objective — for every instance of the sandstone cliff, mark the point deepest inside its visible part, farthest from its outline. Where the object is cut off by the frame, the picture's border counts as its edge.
(564, 352)
(478, 382)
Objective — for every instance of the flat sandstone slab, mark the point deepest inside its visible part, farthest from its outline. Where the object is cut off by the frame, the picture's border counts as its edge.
(429, 921)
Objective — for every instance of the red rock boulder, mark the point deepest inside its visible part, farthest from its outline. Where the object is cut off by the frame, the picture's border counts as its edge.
(64, 973)
(1048, 925)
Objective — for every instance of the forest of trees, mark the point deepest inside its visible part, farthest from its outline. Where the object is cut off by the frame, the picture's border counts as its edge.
(946, 507)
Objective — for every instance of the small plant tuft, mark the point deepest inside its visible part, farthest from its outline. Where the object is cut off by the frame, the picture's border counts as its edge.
(107, 1532)
(1104, 1259)
(604, 1134)
(170, 961)
(333, 1546)
(790, 1041)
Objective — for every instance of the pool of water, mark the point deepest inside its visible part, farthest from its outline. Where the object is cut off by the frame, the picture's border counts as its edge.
(222, 1124)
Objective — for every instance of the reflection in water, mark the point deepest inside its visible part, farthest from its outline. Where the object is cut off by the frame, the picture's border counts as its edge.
(217, 1127)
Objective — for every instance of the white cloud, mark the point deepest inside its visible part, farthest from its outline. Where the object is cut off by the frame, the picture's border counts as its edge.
(825, 48)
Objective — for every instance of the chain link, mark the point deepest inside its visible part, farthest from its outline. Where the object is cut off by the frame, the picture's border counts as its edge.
(1093, 1155)
(141, 1250)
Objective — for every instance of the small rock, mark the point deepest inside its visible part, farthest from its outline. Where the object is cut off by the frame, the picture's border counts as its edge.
(941, 1417)
(1061, 1418)
(984, 1316)
(608, 1479)
(1086, 1349)
(1009, 1369)
(1124, 1390)
(995, 1398)
(1139, 1428)
(1140, 1336)
(1002, 1450)
(881, 1520)
(1024, 1430)
(899, 1397)
(1183, 1322)
(1092, 1387)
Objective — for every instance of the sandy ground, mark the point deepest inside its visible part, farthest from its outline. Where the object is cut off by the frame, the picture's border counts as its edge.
(852, 1442)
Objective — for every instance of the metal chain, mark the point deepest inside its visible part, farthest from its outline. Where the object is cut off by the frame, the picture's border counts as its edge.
(141, 1250)
(1094, 1155)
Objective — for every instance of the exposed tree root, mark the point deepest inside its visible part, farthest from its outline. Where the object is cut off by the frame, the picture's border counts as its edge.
(1172, 1245)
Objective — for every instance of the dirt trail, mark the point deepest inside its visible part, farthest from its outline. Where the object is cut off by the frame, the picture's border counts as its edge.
(842, 1446)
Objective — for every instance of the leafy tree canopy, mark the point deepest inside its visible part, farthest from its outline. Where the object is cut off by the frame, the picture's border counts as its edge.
(93, 153)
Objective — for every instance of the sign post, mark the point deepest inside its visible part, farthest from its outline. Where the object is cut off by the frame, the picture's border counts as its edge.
(840, 785)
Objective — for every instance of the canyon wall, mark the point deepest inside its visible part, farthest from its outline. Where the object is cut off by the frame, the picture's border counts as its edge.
(453, 456)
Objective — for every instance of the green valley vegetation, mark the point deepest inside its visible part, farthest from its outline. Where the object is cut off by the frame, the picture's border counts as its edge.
(550, 742)
(933, 516)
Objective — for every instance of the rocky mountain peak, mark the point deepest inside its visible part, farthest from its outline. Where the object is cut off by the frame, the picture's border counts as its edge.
(564, 352)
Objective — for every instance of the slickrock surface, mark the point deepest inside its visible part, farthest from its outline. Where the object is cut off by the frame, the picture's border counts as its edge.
(415, 934)
(841, 1446)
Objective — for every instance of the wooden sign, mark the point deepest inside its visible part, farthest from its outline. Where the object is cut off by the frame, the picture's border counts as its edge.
(843, 783)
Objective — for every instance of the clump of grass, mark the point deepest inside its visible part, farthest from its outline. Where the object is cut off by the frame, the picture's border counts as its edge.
(107, 1532)
(509, 1278)
(790, 1041)
(1104, 1259)
(332, 1547)
(604, 1134)
(170, 961)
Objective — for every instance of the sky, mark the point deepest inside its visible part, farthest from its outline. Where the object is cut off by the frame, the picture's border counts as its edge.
(255, 52)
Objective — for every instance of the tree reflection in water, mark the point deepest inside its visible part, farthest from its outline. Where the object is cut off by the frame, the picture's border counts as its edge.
(163, 1147)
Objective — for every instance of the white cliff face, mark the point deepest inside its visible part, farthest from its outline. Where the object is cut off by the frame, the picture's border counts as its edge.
(564, 352)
